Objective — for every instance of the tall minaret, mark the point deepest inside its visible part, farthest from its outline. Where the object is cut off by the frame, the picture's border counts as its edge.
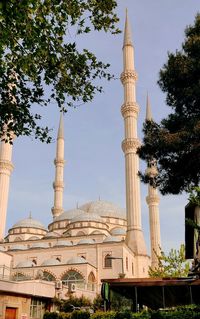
(59, 162)
(153, 203)
(6, 168)
(130, 110)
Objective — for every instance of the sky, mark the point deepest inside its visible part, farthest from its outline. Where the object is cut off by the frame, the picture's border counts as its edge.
(93, 132)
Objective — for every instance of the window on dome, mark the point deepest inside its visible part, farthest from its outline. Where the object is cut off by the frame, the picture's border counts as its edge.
(73, 277)
(108, 261)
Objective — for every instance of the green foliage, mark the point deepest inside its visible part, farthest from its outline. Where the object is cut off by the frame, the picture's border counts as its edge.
(97, 303)
(194, 197)
(103, 315)
(174, 143)
(171, 265)
(80, 314)
(69, 304)
(37, 52)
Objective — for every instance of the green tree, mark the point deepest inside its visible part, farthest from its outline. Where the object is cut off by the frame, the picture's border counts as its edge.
(174, 143)
(40, 63)
(171, 265)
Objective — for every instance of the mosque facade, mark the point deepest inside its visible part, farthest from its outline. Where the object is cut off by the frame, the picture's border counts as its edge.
(98, 240)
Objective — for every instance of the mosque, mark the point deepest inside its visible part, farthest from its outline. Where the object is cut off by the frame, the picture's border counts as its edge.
(82, 246)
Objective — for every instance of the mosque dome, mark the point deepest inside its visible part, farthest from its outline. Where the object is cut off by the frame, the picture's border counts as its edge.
(26, 263)
(86, 241)
(111, 239)
(63, 243)
(118, 231)
(92, 217)
(51, 262)
(104, 209)
(29, 223)
(76, 260)
(51, 234)
(69, 214)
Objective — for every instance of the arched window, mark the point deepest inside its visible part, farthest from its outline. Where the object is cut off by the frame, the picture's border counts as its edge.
(48, 277)
(20, 277)
(91, 281)
(108, 261)
(73, 277)
(34, 261)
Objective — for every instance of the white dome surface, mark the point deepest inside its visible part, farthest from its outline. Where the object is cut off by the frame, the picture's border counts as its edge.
(118, 231)
(87, 217)
(51, 262)
(104, 209)
(39, 245)
(26, 263)
(69, 214)
(86, 241)
(76, 260)
(30, 223)
(52, 234)
(63, 243)
(112, 239)
(18, 247)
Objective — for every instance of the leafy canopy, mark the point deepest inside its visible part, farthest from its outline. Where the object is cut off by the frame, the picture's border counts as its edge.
(175, 142)
(171, 265)
(36, 53)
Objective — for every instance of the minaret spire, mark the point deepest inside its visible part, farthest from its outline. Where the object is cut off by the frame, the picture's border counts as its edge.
(130, 110)
(59, 162)
(153, 203)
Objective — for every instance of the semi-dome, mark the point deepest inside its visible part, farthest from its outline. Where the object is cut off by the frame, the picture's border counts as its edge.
(52, 234)
(111, 239)
(69, 214)
(92, 217)
(118, 231)
(25, 264)
(39, 245)
(76, 260)
(18, 247)
(62, 243)
(51, 262)
(86, 241)
(104, 209)
(29, 223)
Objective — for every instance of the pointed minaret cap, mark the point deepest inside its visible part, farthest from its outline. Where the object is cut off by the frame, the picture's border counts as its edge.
(127, 31)
(61, 127)
(148, 110)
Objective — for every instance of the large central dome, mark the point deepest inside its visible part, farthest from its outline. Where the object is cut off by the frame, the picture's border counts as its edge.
(104, 209)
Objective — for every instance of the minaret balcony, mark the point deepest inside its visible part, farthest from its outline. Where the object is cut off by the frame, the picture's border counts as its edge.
(130, 109)
(130, 145)
(128, 76)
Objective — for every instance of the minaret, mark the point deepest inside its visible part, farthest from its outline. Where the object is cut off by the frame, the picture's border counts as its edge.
(6, 168)
(130, 110)
(153, 203)
(59, 162)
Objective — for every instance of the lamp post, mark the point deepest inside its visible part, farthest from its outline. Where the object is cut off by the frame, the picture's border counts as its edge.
(122, 274)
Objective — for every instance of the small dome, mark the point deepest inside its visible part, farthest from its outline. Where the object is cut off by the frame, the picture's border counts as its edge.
(69, 214)
(39, 245)
(76, 260)
(86, 241)
(51, 262)
(33, 238)
(87, 217)
(62, 243)
(110, 239)
(30, 223)
(18, 247)
(26, 263)
(52, 234)
(104, 209)
(118, 231)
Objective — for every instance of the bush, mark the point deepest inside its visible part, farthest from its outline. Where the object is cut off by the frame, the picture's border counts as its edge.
(80, 314)
(103, 315)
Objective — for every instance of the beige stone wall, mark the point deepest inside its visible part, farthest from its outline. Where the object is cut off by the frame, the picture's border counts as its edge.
(22, 304)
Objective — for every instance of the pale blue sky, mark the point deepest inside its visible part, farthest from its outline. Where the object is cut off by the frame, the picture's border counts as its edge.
(93, 132)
